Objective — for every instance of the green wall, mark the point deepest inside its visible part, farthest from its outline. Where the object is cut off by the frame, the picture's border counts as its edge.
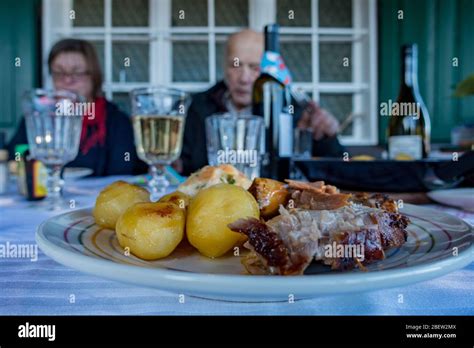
(443, 29)
(19, 37)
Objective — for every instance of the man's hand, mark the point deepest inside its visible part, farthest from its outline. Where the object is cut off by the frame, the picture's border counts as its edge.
(320, 121)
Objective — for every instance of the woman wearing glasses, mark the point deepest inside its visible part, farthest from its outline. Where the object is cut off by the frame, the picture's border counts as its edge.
(107, 137)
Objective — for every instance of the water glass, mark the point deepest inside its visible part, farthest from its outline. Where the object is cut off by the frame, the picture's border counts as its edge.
(302, 143)
(53, 126)
(236, 140)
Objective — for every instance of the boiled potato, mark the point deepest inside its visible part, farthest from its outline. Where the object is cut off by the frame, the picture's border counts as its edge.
(179, 198)
(151, 230)
(209, 213)
(114, 200)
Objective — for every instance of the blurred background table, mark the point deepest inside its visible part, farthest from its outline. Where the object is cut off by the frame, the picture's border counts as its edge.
(45, 287)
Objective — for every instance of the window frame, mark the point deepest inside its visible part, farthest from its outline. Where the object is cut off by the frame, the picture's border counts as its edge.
(362, 35)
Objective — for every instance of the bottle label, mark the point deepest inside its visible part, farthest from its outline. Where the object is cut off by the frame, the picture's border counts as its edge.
(405, 147)
(285, 135)
(272, 64)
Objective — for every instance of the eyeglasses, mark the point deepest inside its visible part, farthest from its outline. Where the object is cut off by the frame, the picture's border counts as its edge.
(75, 76)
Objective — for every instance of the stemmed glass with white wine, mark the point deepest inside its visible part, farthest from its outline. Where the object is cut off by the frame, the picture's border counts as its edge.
(53, 126)
(158, 116)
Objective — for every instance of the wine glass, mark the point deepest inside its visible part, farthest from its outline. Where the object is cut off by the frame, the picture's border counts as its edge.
(158, 116)
(53, 126)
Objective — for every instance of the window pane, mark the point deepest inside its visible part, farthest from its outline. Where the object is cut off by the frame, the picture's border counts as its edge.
(99, 48)
(190, 61)
(130, 13)
(122, 99)
(335, 13)
(232, 13)
(297, 56)
(294, 13)
(89, 13)
(333, 65)
(130, 61)
(340, 105)
(190, 13)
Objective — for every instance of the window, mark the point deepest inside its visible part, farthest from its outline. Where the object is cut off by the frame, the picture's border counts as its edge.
(329, 46)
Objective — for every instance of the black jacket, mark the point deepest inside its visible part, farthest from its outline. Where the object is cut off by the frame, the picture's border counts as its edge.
(194, 154)
(110, 159)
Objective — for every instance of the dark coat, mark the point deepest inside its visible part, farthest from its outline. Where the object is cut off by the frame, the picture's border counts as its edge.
(194, 154)
(109, 159)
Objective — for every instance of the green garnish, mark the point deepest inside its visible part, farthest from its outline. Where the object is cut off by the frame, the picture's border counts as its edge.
(230, 179)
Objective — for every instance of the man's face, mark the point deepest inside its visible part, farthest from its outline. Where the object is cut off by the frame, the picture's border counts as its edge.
(242, 68)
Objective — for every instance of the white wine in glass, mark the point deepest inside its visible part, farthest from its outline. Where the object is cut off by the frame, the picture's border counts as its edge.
(158, 117)
(158, 138)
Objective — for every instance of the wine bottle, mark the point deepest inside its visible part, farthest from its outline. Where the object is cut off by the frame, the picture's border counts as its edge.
(409, 128)
(269, 98)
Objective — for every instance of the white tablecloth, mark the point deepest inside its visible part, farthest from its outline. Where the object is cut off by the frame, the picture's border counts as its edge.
(45, 287)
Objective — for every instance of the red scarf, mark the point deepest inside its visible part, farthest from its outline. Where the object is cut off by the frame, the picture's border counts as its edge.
(93, 128)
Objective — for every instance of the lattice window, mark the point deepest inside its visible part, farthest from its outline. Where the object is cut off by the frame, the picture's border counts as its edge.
(329, 45)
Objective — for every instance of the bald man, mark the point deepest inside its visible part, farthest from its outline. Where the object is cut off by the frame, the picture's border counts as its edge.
(234, 94)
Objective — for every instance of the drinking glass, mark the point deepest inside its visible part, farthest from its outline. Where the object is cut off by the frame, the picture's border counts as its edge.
(53, 126)
(158, 116)
(236, 140)
(302, 143)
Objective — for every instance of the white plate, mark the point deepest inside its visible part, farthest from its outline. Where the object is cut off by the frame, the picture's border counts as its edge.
(75, 241)
(71, 173)
(461, 197)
